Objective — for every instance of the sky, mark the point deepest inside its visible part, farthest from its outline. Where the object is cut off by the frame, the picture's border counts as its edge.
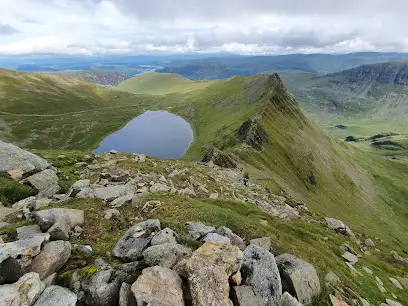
(105, 27)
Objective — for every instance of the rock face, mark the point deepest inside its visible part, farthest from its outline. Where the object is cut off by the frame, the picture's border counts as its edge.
(166, 254)
(46, 218)
(208, 271)
(52, 257)
(46, 182)
(338, 226)
(158, 286)
(259, 270)
(56, 295)
(131, 246)
(299, 278)
(12, 158)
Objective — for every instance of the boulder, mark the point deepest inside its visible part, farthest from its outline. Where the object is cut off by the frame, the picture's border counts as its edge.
(52, 257)
(208, 271)
(188, 192)
(12, 157)
(16, 174)
(27, 204)
(24, 250)
(259, 270)
(213, 196)
(368, 270)
(56, 295)
(235, 239)
(110, 213)
(214, 237)
(61, 229)
(245, 296)
(129, 272)
(29, 231)
(158, 286)
(104, 288)
(78, 185)
(113, 192)
(46, 182)
(338, 226)
(202, 191)
(119, 202)
(392, 302)
(166, 235)
(46, 218)
(131, 246)
(288, 300)
(165, 255)
(159, 187)
(264, 243)
(126, 296)
(299, 278)
(363, 302)
(396, 283)
(400, 259)
(10, 271)
(336, 302)
(332, 279)
(351, 258)
(24, 292)
(197, 229)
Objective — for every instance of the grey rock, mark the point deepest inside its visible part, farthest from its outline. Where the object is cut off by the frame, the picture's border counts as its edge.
(188, 192)
(288, 300)
(113, 192)
(110, 213)
(368, 270)
(81, 184)
(52, 257)
(158, 286)
(379, 281)
(202, 191)
(10, 271)
(61, 229)
(104, 288)
(393, 303)
(299, 278)
(348, 248)
(264, 243)
(129, 272)
(197, 229)
(208, 271)
(159, 187)
(119, 202)
(364, 302)
(396, 283)
(85, 193)
(131, 246)
(338, 226)
(166, 235)
(29, 231)
(369, 243)
(56, 296)
(12, 157)
(165, 255)
(245, 296)
(404, 281)
(400, 259)
(126, 296)
(332, 279)
(259, 270)
(351, 258)
(46, 218)
(25, 204)
(235, 239)
(45, 181)
(5, 212)
(214, 237)
(50, 280)
(26, 248)
(24, 292)
(213, 196)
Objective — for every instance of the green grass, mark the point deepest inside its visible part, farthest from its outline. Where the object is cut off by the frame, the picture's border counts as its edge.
(12, 191)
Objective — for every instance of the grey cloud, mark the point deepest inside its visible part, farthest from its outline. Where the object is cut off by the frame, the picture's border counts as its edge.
(6, 29)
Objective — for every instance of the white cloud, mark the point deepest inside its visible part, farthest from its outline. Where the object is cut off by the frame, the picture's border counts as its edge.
(92, 27)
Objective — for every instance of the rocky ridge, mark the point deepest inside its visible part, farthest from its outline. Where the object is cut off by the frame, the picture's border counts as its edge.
(154, 264)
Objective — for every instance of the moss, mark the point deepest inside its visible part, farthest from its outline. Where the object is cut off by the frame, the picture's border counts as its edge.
(88, 271)
(12, 191)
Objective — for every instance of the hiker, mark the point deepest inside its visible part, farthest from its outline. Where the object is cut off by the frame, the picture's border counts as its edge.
(245, 178)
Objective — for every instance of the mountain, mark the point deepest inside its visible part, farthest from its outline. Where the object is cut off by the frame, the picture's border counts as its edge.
(101, 78)
(369, 99)
(221, 68)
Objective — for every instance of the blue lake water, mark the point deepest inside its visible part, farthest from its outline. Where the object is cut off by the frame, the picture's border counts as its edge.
(154, 133)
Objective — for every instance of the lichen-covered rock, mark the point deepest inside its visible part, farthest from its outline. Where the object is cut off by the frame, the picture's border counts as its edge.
(56, 295)
(235, 239)
(338, 226)
(24, 292)
(52, 257)
(264, 243)
(131, 246)
(166, 235)
(158, 286)
(46, 182)
(197, 229)
(299, 278)
(245, 296)
(208, 271)
(126, 296)
(166, 254)
(259, 270)
(214, 237)
(104, 288)
(288, 300)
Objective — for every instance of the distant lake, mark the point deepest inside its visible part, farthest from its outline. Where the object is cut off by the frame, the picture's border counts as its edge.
(159, 133)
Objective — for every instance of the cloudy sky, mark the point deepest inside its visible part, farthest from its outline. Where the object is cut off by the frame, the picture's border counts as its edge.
(97, 27)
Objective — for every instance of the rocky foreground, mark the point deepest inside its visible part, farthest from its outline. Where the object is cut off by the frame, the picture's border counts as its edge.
(41, 262)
